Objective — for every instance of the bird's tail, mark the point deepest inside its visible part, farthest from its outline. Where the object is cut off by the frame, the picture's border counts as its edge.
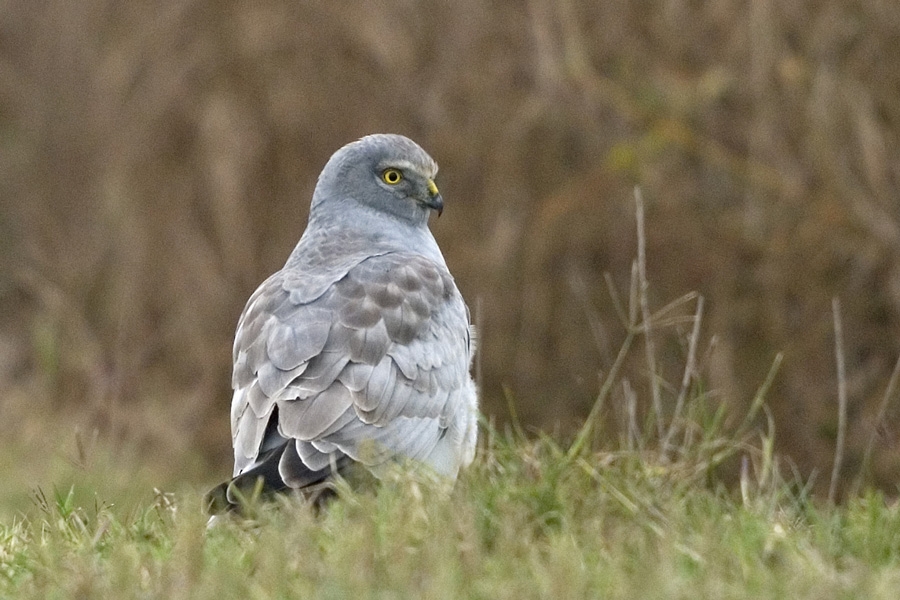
(265, 479)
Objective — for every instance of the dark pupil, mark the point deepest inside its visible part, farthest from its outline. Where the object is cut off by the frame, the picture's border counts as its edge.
(393, 177)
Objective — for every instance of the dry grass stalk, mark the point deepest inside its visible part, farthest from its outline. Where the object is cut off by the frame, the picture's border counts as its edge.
(690, 369)
(646, 318)
(876, 425)
(842, 400)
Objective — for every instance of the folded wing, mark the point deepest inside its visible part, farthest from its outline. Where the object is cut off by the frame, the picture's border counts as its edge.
(372, 369)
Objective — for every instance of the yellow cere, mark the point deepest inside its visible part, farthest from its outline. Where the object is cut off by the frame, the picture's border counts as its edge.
(432, 188)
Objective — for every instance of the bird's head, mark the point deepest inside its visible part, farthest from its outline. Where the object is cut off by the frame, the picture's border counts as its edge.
(383, 172)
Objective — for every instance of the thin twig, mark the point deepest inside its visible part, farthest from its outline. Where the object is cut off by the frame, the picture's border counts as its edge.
(673, 305)
(760, 397)
(646, 318)
(690, 367)
(513, 413)
(745, 481)
(769, 468)
(879, 419)
(634, 432)
(617, 302)
(588, 428)
(665, 323)
(598, 331)
(842, 399)
(633, 296)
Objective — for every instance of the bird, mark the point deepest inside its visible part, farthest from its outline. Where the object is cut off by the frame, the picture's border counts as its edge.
(359, 350)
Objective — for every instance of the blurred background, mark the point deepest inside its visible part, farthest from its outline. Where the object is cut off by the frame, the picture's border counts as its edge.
(157, 161)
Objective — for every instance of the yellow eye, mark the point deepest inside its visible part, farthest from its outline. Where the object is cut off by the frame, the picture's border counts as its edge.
(391, 176)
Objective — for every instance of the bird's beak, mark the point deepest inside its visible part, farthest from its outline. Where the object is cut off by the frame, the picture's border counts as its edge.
(434, 201)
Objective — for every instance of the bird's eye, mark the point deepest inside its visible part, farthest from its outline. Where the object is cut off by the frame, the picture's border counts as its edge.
(391, 176)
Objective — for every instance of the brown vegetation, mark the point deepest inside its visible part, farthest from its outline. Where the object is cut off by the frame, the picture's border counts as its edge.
(157, 159)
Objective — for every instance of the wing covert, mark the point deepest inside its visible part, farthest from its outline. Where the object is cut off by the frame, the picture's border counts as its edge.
(374, 359)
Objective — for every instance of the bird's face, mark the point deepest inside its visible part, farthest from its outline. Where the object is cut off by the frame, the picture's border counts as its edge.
(409, 182)
(387, 173)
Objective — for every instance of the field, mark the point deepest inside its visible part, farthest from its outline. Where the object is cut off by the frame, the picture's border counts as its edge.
(702, 405)
(526, 521)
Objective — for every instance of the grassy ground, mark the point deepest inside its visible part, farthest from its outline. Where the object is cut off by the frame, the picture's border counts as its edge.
(527, 521)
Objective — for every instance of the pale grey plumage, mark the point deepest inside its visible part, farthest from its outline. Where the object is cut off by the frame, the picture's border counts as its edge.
(360, 347)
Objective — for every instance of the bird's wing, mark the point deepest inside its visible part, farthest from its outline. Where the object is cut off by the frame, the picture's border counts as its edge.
(374, 367)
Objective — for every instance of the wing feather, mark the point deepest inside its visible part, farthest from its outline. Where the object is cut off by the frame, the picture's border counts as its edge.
(289, 345)
(364, 367)
(307, 419)
(312, 457)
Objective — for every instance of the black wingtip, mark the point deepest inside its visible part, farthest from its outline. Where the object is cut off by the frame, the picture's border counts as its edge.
(265, 480)
(215, 502)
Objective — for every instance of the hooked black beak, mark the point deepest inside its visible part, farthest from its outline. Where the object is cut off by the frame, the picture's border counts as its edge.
(434, 202)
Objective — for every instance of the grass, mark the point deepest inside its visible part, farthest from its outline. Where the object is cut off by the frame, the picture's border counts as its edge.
(523, 522)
